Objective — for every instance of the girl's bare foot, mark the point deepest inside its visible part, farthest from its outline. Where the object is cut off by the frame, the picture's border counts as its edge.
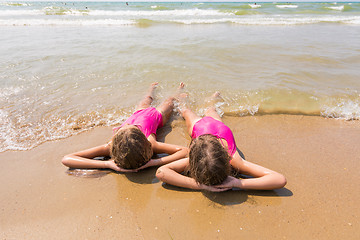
(183, 99)
(216, 95)
(181, 85)
(153, 86)
(215, 98)
(151, 89)
(179, 90)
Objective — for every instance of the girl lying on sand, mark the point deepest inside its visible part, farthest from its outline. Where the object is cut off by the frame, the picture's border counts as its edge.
(212, 154)
(134, 142)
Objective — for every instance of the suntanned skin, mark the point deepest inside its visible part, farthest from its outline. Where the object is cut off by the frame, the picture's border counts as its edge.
(264, 178)
(84, 159)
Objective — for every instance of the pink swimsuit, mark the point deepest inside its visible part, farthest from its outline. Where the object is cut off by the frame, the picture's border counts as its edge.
(209, 125)
(148, 120)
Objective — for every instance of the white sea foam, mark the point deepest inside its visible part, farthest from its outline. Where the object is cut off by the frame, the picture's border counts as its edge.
(6, 92)
(121, 13)
(353, 21)
(185, 16)
(8, 135)
(19, 135)
(272, 20)
(347, 110)
(249, 109)
(45, 11)
(286, 6)
(255, 5)
(202, 21)
(251, 20)
(171, 13)
(338, 8)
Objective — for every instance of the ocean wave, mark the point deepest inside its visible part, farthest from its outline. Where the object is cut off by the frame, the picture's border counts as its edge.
(159, 7)
(119, 22)
(287, 6)
(346, 110)
(15, 4)
(338, 8)
(255, 5)
(188, 17)
(162, 13)
(158, 11)
(44, 11)
(187, 21)
(343, 109)
(354, 20)
(18, 134)
(52, 10)
(170, 13)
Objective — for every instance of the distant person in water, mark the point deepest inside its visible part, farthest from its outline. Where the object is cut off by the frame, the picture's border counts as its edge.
(212, 154)
(134, 142)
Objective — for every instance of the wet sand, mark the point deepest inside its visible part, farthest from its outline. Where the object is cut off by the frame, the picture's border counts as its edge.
(41, 199)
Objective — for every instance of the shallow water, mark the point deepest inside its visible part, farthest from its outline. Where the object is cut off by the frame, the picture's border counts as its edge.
(67, 68)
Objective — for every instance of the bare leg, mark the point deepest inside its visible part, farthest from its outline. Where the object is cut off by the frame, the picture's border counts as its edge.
(211, 111)
(148, 98)
(167, 106)
(190, 117)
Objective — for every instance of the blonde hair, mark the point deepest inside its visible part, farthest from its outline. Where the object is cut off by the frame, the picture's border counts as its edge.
(209, 161)
(130, 148)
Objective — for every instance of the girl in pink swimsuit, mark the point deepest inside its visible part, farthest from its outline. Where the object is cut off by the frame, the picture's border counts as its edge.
(212, 154)
(134, 142)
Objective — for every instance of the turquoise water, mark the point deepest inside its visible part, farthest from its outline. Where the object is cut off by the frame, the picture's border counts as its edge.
(68, 68)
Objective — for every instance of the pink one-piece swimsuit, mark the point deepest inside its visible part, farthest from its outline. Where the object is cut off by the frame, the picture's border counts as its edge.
(148, 120)
(209, 125)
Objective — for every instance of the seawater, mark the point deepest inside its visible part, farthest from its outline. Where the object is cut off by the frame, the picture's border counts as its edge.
(66, 67)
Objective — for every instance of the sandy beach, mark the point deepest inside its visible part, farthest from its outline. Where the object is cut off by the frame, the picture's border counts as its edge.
(288, 74)
(42, 199)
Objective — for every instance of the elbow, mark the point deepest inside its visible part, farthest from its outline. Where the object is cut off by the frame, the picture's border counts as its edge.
(160, 174)
(281, 181)
(66, 160)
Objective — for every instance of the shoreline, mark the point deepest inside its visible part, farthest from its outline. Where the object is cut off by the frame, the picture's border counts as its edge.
(42, 199)
(80, 130)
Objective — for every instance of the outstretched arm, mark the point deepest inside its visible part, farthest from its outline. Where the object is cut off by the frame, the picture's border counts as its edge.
(264, 178)
(171, 174)
(84, 159)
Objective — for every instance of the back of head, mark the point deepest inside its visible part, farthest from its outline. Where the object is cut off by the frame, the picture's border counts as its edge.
(209, 160)
(130, 148)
